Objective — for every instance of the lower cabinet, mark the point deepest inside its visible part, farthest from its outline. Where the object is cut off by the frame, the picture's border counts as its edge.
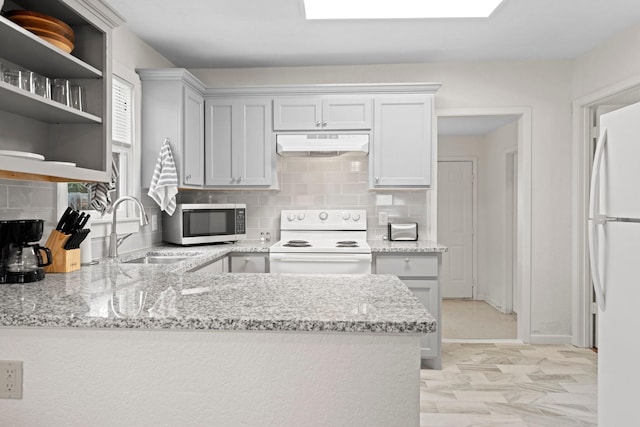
(419, 271)
(245, 263)
(220, 265)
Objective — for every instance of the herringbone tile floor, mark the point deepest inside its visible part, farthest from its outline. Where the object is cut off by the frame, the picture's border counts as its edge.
(510, 385)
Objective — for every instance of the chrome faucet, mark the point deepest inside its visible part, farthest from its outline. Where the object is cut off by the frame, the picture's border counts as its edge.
(114, 241)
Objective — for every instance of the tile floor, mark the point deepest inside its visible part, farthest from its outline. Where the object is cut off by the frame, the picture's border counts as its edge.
(516, 385)
(469, 319)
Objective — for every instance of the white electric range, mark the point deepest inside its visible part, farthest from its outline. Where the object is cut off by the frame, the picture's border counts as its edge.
(322, 241)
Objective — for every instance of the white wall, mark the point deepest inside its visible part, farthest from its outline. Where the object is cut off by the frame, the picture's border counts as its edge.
(613, 62)
(543, 86)
(494, 219)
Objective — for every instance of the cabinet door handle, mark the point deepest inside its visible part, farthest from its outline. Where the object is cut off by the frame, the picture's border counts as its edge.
(239, 179)
(324, 124)
(247, 260)
(187, 178)
(318, 123)
(407, 260)
(377, 179)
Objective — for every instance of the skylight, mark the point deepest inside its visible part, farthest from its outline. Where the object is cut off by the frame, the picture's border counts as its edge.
(398, 9)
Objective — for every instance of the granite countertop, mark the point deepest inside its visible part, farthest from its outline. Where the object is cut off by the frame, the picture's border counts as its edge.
(113, 294)
(422, 246)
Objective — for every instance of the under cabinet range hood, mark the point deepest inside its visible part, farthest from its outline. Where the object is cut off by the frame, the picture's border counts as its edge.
(322, 144)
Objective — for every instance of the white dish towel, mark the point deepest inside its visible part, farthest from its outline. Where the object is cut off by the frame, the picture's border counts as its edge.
(164, 183)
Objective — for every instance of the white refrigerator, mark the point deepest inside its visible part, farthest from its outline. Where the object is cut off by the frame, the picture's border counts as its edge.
(614, 248)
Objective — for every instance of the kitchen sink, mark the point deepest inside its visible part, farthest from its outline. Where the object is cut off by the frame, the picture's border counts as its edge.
(157, 259)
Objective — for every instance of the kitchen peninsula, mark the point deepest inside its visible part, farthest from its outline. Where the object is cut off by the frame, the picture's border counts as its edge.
(119, 343)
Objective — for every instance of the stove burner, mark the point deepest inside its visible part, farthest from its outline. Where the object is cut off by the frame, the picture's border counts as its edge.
(297, 244)
(347, 244)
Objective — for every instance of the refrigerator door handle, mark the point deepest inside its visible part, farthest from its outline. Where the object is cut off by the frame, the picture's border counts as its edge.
(595, 219)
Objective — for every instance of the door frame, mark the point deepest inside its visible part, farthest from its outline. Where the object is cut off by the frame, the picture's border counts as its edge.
(474, 215)
(581, 283)
(524, 201)
(511, 237)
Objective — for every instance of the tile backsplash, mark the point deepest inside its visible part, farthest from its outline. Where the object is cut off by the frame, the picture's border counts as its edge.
(305, 183)
(319, 183)
(37, 200)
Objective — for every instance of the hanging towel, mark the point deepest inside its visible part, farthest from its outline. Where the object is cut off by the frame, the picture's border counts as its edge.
(164, 183)
(99, 193)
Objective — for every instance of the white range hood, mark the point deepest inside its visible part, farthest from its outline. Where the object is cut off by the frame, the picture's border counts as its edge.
(322, 144)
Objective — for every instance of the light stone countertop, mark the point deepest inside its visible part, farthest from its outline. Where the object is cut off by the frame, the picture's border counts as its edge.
(420, 246)
(116, 295)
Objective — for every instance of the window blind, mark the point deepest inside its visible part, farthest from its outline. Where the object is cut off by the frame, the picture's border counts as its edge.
(122, 111)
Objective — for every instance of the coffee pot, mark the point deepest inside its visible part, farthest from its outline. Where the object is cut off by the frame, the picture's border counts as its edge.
(27, 260)
(21, 261)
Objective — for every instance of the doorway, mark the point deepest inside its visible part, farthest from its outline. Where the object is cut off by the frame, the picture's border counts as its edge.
(481, 267)
(587, 111)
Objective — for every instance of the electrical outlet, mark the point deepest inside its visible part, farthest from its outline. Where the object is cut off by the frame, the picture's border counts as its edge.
(383, 218)
(10, 379)
(154, 222)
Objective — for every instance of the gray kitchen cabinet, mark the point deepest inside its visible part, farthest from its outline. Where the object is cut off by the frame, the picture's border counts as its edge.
(173, 108)
(220, 265)
(35, 124)
(402, 143)
(248, 263)
(345, 112)
(419, 271)
(239, 149)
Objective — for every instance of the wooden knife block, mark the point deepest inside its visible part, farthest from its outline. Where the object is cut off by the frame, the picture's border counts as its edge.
(63, 261)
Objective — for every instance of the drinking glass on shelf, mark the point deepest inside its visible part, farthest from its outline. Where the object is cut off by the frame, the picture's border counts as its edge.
(40, 85)
(76, 96)
(18, 78)
(60, 91)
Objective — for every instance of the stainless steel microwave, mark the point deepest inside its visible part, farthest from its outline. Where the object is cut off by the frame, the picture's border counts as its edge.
(199, 223)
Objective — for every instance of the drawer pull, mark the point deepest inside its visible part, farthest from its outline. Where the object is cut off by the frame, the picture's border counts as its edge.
(407, 260)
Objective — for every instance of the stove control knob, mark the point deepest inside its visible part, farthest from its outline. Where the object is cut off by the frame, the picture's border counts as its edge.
(323, 215)
(356, 217)
(301, 216)
(291, 217)
(346, 215)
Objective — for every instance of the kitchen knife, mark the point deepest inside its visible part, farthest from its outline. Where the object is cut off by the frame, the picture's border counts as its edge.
(84, 221)
(70, 222)
(76, 225)
(63, 218)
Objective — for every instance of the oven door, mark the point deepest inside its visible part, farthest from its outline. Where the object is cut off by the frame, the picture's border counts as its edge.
(320, 263)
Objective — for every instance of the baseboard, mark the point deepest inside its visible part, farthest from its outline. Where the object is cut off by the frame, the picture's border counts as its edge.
(481, 341)
(550, 339)
(495, 305)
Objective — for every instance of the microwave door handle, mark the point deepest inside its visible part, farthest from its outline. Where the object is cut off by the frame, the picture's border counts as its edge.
(595, 219)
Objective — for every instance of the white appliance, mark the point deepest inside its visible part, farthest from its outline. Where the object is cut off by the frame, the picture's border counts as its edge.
(322, 241)
(322, 144)
(614, 248)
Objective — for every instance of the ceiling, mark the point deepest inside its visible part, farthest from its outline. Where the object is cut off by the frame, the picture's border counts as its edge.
(274, 33)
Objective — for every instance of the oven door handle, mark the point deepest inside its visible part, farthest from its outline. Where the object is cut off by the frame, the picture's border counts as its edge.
(340, 259)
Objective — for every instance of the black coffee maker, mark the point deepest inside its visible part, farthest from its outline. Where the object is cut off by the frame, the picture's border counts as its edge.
(20, 260)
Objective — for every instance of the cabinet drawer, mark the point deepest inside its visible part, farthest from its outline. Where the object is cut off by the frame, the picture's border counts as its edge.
(248, 264)
(408, 266)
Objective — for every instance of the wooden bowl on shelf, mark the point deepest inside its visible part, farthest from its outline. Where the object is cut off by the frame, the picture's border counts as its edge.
(46, 27)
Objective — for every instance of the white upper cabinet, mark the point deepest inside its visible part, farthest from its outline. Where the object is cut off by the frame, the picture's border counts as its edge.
(239, 145)
(322, 113)
(35, 124)
(173, 108)
(403, 136)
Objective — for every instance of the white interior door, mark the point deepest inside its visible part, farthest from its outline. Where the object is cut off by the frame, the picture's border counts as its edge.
(455, 227)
